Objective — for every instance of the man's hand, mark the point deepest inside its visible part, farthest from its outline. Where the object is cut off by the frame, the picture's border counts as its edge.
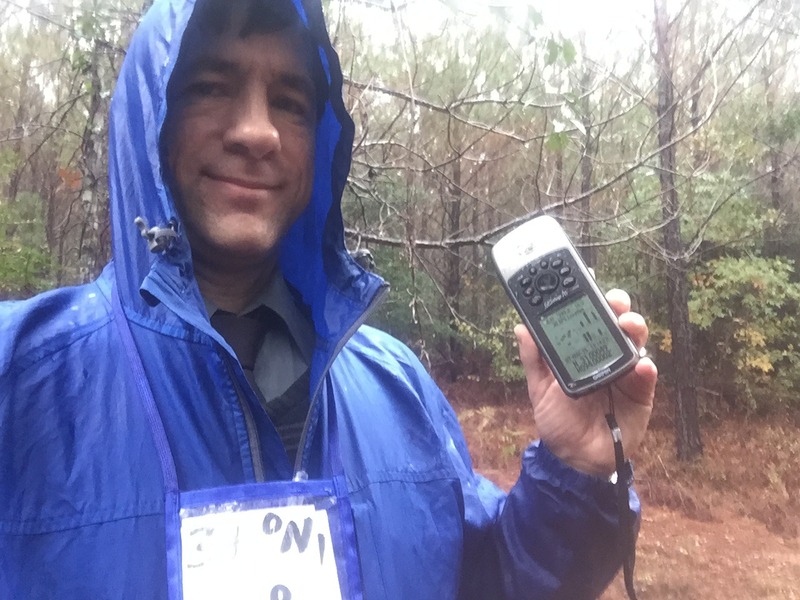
(575, 430)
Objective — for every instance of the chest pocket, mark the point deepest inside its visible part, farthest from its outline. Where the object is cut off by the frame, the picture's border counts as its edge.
(410, 538)
(407, 500)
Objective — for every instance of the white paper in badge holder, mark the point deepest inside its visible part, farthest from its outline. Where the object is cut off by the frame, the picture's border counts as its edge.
(273, 553)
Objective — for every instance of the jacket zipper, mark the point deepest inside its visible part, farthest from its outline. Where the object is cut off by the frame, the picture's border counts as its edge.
(250, 424)
(249, 420)
(300, 474)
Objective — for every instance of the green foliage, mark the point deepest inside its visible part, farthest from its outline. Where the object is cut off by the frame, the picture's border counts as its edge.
(783, 127)
(8, 162)
(410, 312)
(24, 271)
(560, 48)
(499, 343)
(557, 141)
(25, 263)
(746, 310)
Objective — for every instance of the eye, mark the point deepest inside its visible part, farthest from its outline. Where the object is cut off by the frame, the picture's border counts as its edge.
(298, 105)
(205, 88)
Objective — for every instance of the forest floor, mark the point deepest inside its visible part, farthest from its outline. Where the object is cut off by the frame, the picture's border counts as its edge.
(724, 527)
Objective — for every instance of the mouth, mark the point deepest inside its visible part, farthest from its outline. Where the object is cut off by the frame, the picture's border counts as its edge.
(243, 182)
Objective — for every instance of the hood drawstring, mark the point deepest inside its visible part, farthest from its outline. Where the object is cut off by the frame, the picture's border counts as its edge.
(159, 239)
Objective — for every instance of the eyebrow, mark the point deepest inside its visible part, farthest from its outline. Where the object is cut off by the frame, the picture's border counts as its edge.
(204, 64)
(301, 83)
(210, 64)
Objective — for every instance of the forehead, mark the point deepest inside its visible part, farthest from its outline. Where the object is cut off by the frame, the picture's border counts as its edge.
(215, 17)
(240, 32)
(284, 51)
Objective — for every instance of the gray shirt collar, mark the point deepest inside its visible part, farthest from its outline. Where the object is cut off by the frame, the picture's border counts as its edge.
(277, 296)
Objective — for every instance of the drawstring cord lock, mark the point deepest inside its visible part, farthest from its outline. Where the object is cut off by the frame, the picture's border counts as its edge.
(158, 239)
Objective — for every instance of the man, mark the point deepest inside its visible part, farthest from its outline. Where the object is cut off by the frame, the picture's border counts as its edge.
(143, 430)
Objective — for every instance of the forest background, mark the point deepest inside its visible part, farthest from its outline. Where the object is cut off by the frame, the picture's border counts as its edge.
(663, 134)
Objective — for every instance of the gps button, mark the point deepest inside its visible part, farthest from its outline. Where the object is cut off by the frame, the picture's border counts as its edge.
(547, 282)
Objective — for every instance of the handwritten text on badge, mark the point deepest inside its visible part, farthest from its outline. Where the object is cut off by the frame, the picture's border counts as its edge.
(274, 553)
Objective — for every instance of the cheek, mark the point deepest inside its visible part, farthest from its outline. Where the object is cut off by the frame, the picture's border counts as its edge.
(302, 163)
(171, 171)
(188, 128)
(183, 155)
(173, 151)
(309, 164)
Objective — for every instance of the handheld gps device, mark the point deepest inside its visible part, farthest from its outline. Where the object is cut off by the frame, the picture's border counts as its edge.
(560, 303)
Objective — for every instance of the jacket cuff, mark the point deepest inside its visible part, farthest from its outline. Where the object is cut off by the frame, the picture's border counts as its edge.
(541, 464)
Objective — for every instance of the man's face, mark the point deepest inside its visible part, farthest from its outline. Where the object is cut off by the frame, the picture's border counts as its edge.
(240, 144)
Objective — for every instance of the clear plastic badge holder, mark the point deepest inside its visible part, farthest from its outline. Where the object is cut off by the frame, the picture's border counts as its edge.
(277, 548)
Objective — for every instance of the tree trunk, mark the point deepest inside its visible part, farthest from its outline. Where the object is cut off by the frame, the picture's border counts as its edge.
(20, 126)
(478, 291)
(774, 145)
(559, 191)
(452, 284)
(688, 442)
(588, 251)
(89, 252)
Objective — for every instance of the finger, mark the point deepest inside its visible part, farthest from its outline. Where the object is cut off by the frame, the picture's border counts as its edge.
(635, 327)
(619, 300)
(536, 370)
(639, 386)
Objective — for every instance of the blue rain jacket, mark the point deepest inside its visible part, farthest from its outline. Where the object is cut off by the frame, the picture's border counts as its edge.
(81, 491)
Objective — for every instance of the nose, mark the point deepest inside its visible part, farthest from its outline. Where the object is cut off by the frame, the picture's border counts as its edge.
(251, 130)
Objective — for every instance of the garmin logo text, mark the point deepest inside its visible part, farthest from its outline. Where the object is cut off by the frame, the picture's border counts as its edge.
(550, 301)
(601, 374)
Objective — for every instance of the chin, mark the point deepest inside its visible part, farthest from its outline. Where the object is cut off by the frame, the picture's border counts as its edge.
(248, 250)
(236, 243)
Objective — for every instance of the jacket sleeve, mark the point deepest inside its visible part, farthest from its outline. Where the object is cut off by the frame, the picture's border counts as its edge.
(554, 536)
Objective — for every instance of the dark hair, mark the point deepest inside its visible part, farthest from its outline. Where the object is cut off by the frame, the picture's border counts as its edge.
(260, 16)
(216, 17)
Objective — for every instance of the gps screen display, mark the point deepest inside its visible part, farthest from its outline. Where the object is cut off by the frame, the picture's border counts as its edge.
(580, 338)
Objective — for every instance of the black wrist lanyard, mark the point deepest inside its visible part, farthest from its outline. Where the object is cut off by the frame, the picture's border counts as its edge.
(622, 484)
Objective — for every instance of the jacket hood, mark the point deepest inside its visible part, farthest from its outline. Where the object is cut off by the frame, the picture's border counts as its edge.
(313, 257)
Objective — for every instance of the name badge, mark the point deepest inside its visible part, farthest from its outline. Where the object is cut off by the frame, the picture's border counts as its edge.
(264, 553)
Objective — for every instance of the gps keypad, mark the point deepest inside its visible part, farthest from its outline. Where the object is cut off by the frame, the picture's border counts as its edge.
(543, 277)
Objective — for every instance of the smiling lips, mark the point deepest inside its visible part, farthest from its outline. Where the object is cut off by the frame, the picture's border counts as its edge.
(246, 183)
